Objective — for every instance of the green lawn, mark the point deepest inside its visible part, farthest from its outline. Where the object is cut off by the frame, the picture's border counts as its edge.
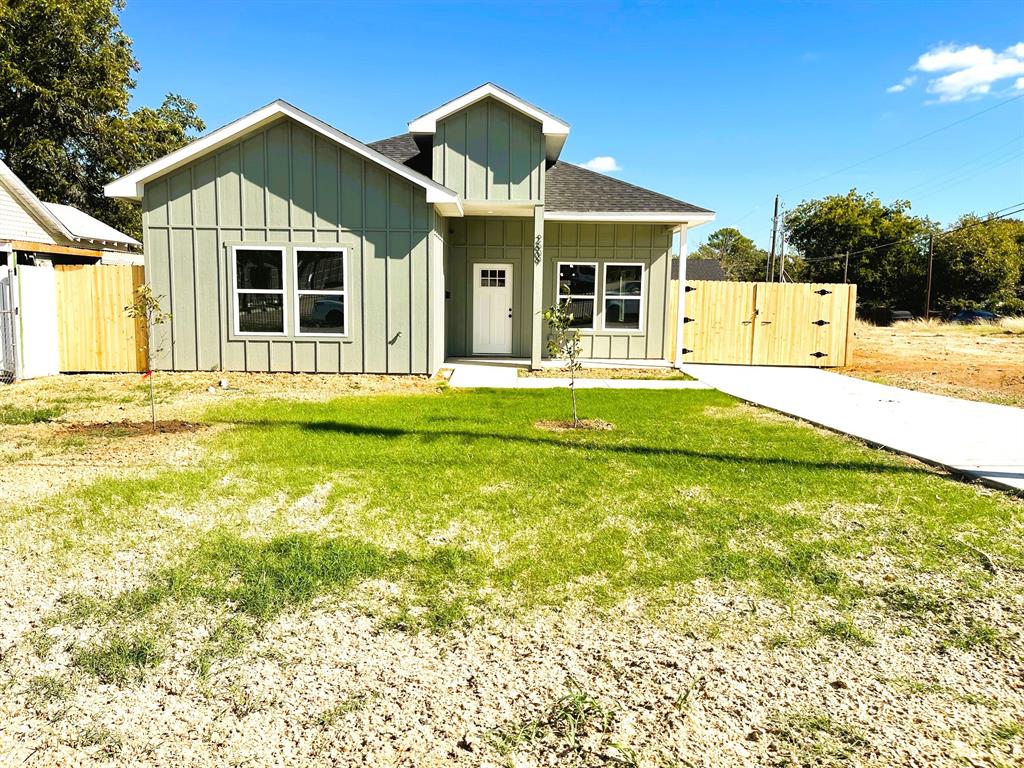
(464, 505)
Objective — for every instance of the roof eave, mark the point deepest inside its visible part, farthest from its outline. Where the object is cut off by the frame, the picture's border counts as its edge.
(690, 219)
(130, 186)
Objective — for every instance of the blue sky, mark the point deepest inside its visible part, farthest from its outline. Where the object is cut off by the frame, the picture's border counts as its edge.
(721, 104)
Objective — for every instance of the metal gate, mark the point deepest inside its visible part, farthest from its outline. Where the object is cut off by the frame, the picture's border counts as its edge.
(8, 328)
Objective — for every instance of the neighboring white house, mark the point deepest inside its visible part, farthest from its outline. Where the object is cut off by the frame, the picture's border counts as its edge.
(34, 236)
(55, 232)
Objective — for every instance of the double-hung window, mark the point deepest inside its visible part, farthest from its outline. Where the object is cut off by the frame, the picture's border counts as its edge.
(321, 300)
(623, 297)
(577, 287)
(259, 290)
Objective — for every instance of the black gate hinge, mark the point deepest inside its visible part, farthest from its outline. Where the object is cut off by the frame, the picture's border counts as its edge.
(819, 354)
(822, 292)
(687, 319)
(689, 288)
(686, 351)
(819, 322)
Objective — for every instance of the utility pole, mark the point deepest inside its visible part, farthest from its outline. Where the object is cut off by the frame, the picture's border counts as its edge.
(775, 230)
(846, 268)
(928, 290)
(782, 257)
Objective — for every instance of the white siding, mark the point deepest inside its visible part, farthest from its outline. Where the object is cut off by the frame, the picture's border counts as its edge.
(18, 224)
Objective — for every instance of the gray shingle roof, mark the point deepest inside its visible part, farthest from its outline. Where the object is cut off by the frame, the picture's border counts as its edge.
(406, 150)
(572, 188)
(700, 269)
(568, 187)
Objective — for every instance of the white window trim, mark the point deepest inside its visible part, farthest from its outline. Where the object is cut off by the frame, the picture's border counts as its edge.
(235, 290)
(558, 290)
(605, 296)
(301, 292)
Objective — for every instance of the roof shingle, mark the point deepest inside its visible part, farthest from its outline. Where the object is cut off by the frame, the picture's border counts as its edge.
(569, 188)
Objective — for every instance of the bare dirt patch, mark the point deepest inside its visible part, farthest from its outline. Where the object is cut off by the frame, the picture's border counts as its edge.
(943, 360)
(127, 428)
(633, 374)
(568, 426)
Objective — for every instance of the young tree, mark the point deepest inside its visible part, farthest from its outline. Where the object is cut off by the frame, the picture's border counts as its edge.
(67, 71)
(564, 344)
(147, 308)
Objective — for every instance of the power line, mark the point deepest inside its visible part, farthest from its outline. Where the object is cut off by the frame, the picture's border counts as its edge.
(907, 143)
(957, 168)
(898, 147)
(993, 217)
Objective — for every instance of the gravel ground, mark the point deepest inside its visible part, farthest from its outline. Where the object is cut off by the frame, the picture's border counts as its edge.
(707, 683)
(709, 676)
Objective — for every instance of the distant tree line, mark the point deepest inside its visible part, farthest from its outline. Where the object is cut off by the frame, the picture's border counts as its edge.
(978, 261)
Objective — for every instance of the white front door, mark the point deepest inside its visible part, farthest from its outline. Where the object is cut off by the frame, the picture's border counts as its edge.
(492, 309)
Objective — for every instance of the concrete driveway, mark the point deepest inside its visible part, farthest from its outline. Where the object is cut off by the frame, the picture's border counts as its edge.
(976, 439)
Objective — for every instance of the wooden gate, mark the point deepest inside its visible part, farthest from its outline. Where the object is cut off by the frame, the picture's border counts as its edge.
(93, 330)
(801, 324)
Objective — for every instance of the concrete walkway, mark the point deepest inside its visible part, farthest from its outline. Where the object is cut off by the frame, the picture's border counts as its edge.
(500, 375)
(977, 439)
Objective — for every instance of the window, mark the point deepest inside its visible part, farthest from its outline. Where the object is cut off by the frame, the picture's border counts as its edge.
(577, 286)
(320, 295)
(623, 296)
(492, 278)
(259, 290)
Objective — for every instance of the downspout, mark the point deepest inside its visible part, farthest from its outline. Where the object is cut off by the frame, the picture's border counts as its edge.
(681, 299)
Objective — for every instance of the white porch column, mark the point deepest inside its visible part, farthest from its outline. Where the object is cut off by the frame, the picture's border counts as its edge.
(681, 305)
(537, 302)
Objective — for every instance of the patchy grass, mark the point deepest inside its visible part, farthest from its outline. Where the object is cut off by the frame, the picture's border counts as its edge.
(574, 718)
(463, 505)
(12, 414)
(119, 659)
(844, 631)
(818, 740)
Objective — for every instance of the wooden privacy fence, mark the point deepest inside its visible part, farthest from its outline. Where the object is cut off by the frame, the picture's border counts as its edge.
(93, 331)
(800, 324)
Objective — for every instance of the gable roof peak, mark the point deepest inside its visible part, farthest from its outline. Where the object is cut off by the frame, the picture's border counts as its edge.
(555, 130)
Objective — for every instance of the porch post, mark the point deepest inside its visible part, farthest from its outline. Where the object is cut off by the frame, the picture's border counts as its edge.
(537, 303)
(681, 305)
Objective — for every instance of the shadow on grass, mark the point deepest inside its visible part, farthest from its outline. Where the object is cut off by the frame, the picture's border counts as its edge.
(250, 582)
(469, 436)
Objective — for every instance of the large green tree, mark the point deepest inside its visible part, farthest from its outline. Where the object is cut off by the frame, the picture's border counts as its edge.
(66, 78)
(980, 265)
(885, 242)
(739, 257)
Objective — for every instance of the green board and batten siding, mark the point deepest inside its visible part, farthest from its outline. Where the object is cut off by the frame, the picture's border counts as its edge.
(488, 240)
(287, 186)
(490, 152)
(647, 244)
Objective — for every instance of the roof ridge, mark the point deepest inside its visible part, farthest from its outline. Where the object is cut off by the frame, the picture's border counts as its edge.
(634, 186)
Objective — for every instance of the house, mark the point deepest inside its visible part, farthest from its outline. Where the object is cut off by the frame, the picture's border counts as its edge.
(284, 244)
(700, 269)
(61, 234)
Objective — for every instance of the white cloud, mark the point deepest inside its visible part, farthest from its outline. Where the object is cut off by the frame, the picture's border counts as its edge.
(1019, 85)
(602, 164)
(969, 70)
(902, 85)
